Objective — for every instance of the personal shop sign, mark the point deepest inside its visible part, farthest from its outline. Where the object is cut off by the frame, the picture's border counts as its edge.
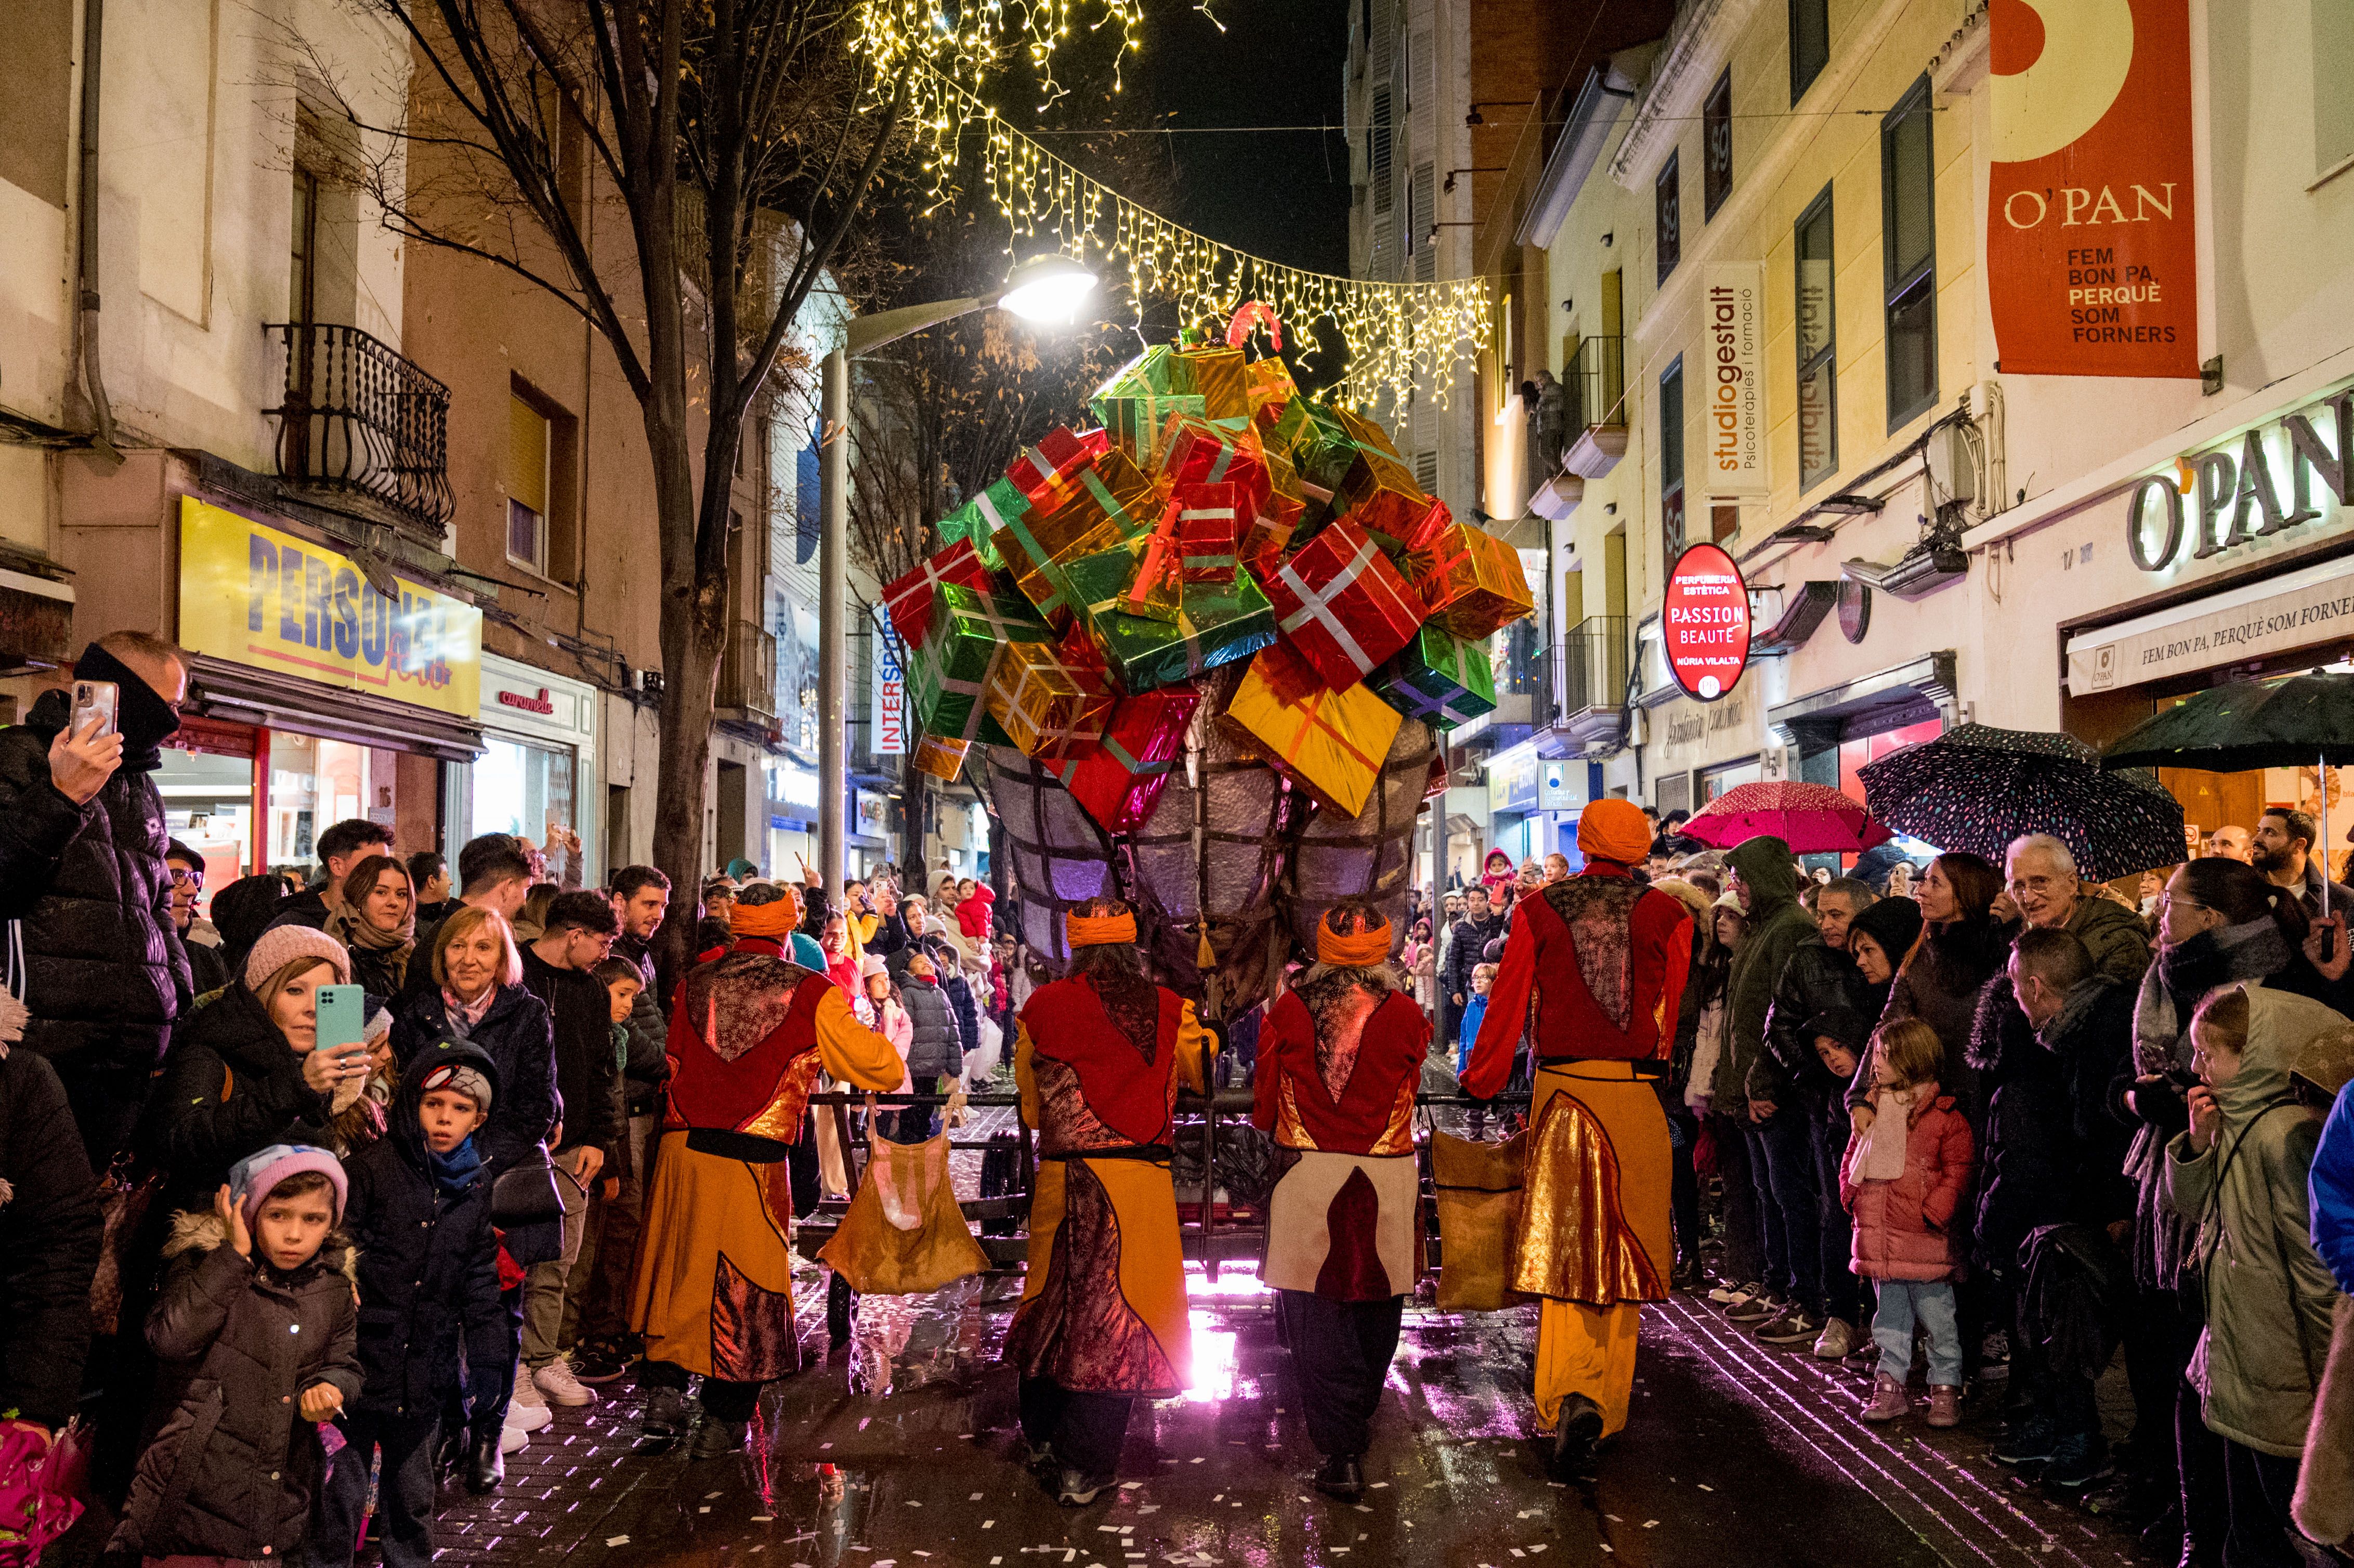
(1705, 623)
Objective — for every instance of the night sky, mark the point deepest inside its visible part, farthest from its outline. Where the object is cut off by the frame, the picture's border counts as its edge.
(1283, 195)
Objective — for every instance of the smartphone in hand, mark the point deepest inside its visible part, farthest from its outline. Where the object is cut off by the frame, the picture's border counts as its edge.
(100, 698)
(342, 1022)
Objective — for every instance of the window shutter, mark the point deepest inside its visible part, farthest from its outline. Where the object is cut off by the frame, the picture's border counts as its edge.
(526, 455)
(806, 501)
(1378, 157)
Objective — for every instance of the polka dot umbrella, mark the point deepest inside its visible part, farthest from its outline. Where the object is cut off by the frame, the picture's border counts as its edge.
(1976, 787)
(1812, 819)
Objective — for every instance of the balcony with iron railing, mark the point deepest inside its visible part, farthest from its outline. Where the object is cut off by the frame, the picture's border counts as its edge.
(747, 676)
(1589, 687)
(358, 420)
(1595, 388)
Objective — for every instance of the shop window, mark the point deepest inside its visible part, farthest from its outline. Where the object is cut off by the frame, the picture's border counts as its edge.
(1671, 461)
(1811, 44)
(1716, 146)
(1667, 207)
(519, 788)
(1909, 248)
(1817, 341)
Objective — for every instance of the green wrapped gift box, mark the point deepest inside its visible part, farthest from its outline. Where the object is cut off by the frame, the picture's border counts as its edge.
(983, 517)
(1212, 628)
(1135, 421)
(1440, 678)
(1320, 444)
(948, 675)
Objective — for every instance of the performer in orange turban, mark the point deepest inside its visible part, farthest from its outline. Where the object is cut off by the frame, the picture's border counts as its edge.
(1099, 1056)
(712, 1294)
(1604, 960)
(1339, 1061)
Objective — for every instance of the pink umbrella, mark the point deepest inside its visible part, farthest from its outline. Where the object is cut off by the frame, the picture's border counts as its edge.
(1812, 819)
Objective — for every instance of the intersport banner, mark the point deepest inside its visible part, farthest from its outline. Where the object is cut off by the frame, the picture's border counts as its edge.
(2092, 249)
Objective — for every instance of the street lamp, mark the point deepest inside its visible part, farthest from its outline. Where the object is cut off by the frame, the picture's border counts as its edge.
(1048, 288)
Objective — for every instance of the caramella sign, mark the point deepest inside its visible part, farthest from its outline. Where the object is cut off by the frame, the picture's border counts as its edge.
(1704, 622)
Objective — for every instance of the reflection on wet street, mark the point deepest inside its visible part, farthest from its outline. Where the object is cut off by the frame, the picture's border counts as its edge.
(1730, 1443)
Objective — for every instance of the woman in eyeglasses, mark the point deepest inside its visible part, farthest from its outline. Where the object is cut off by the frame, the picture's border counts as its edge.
(206, 963)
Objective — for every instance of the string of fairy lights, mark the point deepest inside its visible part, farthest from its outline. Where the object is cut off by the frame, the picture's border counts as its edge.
(1396, 335)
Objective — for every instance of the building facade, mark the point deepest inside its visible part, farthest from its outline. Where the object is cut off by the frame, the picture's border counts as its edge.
(1780, 214)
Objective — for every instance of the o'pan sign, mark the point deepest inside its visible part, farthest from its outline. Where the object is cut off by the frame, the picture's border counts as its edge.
(1704, 622)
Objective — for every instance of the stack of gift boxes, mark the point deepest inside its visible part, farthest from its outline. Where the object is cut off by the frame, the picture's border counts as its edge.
(1215, 515)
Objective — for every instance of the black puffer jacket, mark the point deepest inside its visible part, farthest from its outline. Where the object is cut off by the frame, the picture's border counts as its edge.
(581, 1017)
(1818, 979)
(2052, 1153)
(936, 1048)
(649, 1028)
(234, 1467)
(428, 1261)
(48, 1243)
(230, 1087)
(105, 975)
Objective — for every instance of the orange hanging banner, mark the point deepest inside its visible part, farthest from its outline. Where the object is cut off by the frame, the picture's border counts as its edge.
(2092, 246)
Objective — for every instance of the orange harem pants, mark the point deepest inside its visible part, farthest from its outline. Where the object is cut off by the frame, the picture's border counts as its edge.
(1595, 1239)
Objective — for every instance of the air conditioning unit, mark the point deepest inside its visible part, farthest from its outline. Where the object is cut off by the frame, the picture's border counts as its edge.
(1953, 470)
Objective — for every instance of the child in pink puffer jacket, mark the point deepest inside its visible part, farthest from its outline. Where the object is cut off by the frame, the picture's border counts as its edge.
(1903, 1176)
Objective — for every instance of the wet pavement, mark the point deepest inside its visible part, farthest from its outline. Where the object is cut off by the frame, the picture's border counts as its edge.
(1737, 1454)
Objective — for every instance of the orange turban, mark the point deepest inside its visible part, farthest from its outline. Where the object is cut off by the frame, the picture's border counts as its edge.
(1614, 830)
(1360, 950)
(1098, 931)
(774, 921)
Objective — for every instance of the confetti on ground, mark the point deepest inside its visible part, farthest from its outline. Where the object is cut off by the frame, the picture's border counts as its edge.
(975, 1498)
(1705, 1486)
(617, 1540)
(704, 1508)
(764, 1519)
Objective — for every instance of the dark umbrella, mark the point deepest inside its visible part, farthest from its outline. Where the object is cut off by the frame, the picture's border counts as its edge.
(1976, 787)
(2253, 723)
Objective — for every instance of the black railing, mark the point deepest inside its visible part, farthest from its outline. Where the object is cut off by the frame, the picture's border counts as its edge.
(1589, 667)
(360, 418)
(1595, 383)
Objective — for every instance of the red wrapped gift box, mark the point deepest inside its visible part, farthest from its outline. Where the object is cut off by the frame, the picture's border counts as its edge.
(1059, 454)
(908, 599)
(1120, 780)
(1209, 524)
(1341, 603)
(1196, 450)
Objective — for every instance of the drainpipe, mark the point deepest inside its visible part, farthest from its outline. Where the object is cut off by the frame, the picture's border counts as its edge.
(93, 380)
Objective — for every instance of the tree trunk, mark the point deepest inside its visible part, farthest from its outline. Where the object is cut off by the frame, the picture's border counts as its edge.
(693, 634)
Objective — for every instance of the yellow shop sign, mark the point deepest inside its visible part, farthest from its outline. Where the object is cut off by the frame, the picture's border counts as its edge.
(254, 596)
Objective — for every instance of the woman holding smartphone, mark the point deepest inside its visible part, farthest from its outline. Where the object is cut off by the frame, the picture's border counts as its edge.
(245, 1069)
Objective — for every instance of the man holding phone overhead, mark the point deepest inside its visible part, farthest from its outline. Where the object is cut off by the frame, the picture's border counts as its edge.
(82, 850)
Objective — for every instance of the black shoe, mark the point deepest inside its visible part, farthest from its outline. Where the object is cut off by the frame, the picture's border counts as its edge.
(485, 1466)
(602, 1362)
(1076, 1489)
(450, 1459)
(663, 1422)
(2077, 1461)
(715, 1440)
(1687, 1277)
(1795, 1326)
(1038, 1458)
(1341, 1476)
(1573, 1439)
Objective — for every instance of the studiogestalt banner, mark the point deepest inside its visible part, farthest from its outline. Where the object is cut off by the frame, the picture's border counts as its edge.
(2091, 249)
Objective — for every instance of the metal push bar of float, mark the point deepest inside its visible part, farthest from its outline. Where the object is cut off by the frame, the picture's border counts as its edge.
(1189, 1103)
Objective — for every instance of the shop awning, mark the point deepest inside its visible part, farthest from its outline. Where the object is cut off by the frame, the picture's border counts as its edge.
(218, 689)
(2271, 615)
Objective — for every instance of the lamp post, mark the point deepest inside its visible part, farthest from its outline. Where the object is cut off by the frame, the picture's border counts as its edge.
(1043, 288)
